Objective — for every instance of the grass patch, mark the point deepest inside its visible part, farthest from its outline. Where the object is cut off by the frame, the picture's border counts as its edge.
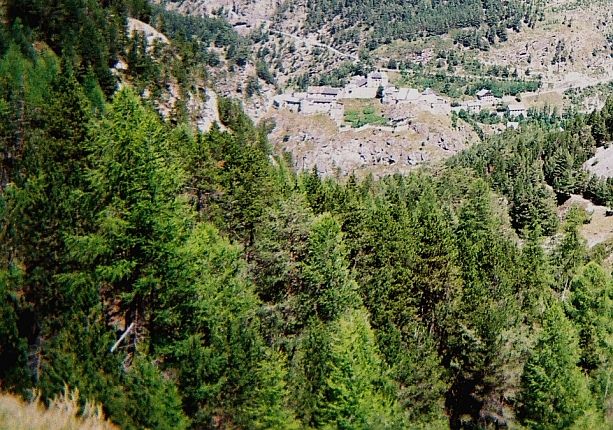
(366, 115)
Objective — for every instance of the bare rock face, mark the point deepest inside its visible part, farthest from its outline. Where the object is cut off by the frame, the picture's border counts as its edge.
(204, 112)
(320, 144)
(245, 14)
(152, 35)
(601, 164)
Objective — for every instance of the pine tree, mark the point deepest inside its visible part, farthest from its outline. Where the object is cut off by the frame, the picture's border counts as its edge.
(536, 278)
(590, 308)
(570, 253)
(208, 333)
(269, 409)
(599, 128)
(153, 400)
(340, 379)
(328, 288)
(476, 351)
(435, 276)
(554, 392)
(134, 184)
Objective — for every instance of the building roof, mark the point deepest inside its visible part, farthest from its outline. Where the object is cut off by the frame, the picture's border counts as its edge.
(375, 75)
(402, 93)
(412, 94)
(517, 107)
(321, 101)
(360, 82)
(331, 91)
(328, 91)
(483, 92)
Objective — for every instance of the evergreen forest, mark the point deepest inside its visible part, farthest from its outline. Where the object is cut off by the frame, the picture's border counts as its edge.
(383, 22)
(188, 280)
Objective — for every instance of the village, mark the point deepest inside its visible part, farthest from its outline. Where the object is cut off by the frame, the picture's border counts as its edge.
(376, 86)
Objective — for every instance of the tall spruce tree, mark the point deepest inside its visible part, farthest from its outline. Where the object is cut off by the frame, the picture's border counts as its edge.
(554, 392)
(476, 351)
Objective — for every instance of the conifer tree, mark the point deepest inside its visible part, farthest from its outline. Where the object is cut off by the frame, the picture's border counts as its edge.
(590, 308)
(554, 392)
(328, 286)
(134, 186)
(340, 379)
(435, 277)
(570, 253)
(536, 278)
(208, 333)
(475, 350)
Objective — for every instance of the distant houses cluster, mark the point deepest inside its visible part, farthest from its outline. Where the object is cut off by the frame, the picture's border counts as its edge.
(327, 100)
(484, 99)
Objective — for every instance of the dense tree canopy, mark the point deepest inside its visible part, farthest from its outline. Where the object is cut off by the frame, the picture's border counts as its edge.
(410, 19)
(192, 280)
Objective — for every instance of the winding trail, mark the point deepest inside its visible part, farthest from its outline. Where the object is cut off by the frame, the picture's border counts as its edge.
(309, 42)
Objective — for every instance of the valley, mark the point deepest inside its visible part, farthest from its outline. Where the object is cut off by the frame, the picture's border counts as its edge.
(563, 49)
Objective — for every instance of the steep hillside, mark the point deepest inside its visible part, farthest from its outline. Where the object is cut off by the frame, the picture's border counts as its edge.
(359, 24)
(242, 14)
(187, 277)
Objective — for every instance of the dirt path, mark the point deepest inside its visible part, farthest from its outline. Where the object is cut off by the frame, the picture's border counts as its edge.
(313, 43)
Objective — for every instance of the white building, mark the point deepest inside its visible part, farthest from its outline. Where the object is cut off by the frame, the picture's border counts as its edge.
(358, 88)
(486, 96)
(287, 101)
(393, 95)
(390, 95)
(517, 110)
(316, 106)
(326, 93)
(377, 79)
(473, 107)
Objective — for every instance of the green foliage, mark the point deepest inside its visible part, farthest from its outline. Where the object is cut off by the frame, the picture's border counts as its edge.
(415, 18)
(260, 298)
(367, 115)
(476, 347)
(153, 401)
(268, 409)
(590, 308)
(90, 34)
(554, 392)
(264, 73)
(339, 379)
(457, 86)
(237, 185)
(134, 184)
(328, 287)
(13, 348)
(523, 165)
(204, 31)
(570, 254)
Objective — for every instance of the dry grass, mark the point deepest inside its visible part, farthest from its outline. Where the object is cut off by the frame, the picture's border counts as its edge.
(64, 413)
(599, 229)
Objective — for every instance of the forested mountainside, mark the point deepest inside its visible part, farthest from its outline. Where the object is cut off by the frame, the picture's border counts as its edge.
(390, 20)
(367, 24)
(183, 279)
